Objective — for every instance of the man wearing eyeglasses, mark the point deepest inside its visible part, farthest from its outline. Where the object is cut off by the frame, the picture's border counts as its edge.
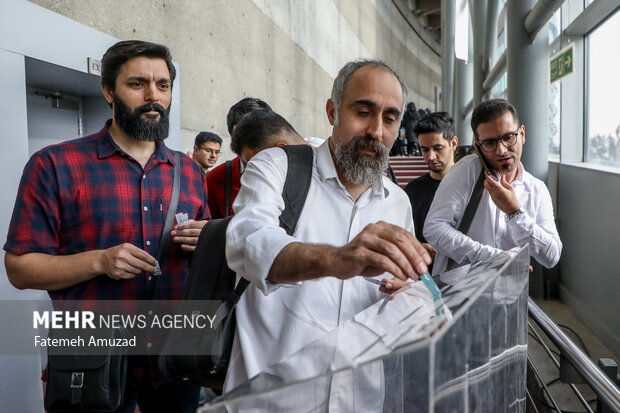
(515, 208)
(207, 148)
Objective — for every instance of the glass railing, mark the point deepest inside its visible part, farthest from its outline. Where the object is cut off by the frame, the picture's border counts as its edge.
(462, 350)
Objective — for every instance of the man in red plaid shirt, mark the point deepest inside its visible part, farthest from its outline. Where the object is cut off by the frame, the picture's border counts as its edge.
(89, 212)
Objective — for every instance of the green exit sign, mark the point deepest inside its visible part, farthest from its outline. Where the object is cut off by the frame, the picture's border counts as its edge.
(561, 64)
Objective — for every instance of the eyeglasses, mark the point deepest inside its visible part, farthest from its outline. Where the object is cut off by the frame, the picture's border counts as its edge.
(210, 151)
(508, 139)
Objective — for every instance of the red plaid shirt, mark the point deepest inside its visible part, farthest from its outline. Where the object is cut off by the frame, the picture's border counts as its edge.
(88, 194)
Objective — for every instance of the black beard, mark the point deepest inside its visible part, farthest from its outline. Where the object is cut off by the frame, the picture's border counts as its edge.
(361, 169)
(134, 125)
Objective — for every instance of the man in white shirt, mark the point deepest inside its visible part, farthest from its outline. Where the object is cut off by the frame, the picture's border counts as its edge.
(513, 211)
(354, 222)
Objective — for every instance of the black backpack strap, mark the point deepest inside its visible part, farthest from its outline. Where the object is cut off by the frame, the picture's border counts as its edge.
(391, 174)
(239, 289)
(294, 193)
(227, 186)
(470, 210)
(164, 238)
(473, 203)
(297, 184)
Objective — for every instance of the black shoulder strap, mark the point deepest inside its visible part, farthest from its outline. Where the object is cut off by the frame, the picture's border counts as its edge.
(391, 174)
(294, 193)
(227, 187)
(165, 233)
(470, 210)
(473, 203)
(297, 184)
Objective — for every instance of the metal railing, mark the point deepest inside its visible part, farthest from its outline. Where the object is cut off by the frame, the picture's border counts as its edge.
(606, 390)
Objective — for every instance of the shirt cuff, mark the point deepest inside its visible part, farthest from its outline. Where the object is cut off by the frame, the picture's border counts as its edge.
(520, 227)
(261, 250)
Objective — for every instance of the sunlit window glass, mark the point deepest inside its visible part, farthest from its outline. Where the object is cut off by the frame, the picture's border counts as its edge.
(603, 119)
(499, 90)
(554, 120)
(555, 26)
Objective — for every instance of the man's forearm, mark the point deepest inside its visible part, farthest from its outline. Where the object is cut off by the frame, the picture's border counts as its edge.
(545, 243)
(300, 262)
(379, 248)
(51, 272)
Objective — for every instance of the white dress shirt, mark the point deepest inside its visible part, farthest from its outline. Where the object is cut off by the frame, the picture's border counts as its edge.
(276, 320)
(489, 232)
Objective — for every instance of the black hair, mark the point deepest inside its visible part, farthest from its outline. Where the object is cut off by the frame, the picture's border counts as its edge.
(203, 137)
(117, 55)
(241, 108)
(490, 110)
(436, 122)
(256, 128)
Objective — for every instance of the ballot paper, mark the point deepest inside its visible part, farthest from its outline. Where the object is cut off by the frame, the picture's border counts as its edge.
(181, 217)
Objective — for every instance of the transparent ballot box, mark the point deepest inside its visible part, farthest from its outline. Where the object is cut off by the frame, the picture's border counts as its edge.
(463, 350)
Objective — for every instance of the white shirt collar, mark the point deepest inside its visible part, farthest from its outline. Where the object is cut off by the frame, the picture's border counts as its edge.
(520, 175)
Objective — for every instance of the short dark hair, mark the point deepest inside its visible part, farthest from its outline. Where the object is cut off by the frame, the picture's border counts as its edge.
(117, 55)
(490, 110)
(436, 122)
(241, 108)
(203, 137)
(256, 128)
(348, 70)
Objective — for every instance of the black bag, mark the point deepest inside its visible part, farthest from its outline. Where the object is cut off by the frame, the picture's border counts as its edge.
(87, 383)
(97, 382)
(210, 278)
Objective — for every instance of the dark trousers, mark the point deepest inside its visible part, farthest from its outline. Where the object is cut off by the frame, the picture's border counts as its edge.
(174, 396)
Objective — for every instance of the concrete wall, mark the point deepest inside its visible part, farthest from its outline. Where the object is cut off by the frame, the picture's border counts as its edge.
(283, 51)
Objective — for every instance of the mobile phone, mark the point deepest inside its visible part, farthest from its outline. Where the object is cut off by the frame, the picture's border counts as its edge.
(494, 174)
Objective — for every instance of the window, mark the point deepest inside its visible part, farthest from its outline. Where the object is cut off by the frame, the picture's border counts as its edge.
(555, 26)
(555, 30)
(500, 88)
(603, 87)
(554, 120)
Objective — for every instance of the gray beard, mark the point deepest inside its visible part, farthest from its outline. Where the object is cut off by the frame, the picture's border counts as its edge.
(357, 168)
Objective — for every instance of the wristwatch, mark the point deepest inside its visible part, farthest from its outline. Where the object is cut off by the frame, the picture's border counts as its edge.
(514, 214)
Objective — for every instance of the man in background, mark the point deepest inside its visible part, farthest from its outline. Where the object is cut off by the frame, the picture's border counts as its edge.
(216, 179)
(437, 142)
(259, 130)
(410, 117)
(207, 149)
